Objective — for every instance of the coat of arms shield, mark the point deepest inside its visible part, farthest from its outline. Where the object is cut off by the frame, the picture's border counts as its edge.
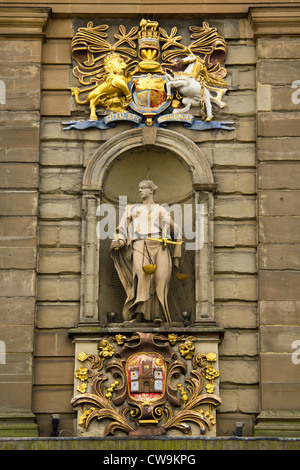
(149, 96)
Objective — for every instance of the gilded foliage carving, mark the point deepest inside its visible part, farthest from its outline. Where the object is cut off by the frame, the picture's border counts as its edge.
(148, 392)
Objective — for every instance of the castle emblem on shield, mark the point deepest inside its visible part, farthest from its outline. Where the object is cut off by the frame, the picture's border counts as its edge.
(146, 376)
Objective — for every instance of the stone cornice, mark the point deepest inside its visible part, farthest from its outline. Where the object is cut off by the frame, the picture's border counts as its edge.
(23, 21)
(275, 20)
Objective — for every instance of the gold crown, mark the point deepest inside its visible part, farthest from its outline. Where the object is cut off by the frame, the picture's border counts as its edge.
(110, 56)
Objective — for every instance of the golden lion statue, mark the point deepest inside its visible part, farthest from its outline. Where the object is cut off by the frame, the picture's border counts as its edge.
(113, 93)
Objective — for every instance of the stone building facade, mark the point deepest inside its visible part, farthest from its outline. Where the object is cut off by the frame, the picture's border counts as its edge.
(256, 210)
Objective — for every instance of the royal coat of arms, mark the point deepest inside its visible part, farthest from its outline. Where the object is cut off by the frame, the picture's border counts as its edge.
(149, 94)
(148, 72)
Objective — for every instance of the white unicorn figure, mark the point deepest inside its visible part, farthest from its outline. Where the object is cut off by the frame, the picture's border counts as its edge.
(195, 85)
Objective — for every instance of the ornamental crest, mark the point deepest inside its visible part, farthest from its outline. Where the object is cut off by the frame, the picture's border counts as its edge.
(149, 94)
(148, 383)
(148, 72)
(146, 376)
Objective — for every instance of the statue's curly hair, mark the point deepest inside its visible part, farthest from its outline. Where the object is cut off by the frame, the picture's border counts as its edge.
(149, 184)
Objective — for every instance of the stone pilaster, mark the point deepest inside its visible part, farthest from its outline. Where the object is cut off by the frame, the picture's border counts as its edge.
(21, 36)
(278, 72)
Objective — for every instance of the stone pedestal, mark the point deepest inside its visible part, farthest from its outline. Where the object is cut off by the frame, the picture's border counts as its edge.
(17, 423)
(277, 423)
(22, 31)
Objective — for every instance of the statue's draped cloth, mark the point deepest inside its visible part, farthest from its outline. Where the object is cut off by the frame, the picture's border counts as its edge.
(146, 294)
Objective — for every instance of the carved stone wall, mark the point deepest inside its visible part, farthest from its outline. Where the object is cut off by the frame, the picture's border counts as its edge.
(49, 196)
(278, 220)
(230, 156)
(20, 64)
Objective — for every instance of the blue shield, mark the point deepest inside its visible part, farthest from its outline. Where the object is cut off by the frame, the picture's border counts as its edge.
(149, 94)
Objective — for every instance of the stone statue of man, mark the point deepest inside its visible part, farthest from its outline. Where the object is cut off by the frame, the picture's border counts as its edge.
(146, 245)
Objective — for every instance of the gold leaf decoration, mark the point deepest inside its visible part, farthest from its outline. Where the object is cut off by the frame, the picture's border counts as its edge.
(159, 411)
(82, 356)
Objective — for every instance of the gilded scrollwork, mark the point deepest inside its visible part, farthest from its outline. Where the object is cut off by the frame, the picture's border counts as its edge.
(190, 411)
(183, 393)
(141, 398)
(110, 390)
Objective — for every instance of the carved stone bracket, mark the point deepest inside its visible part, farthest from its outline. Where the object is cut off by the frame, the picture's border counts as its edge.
(153, 383)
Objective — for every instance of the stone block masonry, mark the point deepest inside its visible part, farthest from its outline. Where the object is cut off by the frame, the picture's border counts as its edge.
(278, 69)
(256, 211)
(20, 65)
(63, 158)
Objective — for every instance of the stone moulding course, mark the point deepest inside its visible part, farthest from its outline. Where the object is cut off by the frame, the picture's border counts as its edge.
(24, 22)
(275, 21)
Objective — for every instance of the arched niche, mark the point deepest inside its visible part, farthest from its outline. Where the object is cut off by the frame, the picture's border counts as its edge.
(180, 145)
(180, 169)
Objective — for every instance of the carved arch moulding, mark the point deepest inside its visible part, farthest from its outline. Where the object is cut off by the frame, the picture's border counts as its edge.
(160, 149)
